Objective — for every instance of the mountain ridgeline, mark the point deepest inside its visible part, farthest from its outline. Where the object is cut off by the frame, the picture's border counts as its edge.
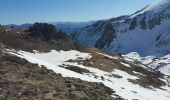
(126, 34)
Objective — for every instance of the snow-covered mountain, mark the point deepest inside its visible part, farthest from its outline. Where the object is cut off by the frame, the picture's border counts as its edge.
(147, 31)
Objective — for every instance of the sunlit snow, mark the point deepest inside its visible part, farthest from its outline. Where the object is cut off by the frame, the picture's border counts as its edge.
(121, 86)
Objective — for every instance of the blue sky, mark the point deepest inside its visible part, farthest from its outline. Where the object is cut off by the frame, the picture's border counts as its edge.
(29, 11)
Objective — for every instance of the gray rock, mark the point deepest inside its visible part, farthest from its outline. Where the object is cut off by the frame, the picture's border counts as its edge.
(80, 94)
(73, 88)
(2, 97)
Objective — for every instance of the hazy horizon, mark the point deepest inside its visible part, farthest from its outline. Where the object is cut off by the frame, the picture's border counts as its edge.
(30, 11)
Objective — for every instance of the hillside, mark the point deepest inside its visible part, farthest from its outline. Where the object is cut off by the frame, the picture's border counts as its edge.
(76, 73)
(23, 39)
(21, 80)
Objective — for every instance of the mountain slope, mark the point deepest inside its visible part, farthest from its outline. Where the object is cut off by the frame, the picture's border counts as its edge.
(85, 66)
(147, 31)
(21, 80)
(127, 80)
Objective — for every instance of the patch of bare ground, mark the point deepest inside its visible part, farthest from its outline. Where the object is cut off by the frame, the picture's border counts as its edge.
(75, 69)
(146, 78)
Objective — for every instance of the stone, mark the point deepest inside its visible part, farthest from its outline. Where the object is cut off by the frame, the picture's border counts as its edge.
(80, 94)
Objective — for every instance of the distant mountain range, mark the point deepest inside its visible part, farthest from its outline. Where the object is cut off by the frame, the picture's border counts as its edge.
(72, 27)
(22, 26)
(68, 27)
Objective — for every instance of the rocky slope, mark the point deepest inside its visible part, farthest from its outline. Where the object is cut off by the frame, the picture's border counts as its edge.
(147, 31)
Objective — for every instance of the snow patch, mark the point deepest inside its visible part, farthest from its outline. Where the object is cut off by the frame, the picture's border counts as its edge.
(159, 63)
(127, 65)
(108, 56)
(121, 86)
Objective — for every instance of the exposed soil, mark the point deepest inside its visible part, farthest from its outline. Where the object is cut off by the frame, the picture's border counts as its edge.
(75, 69)
(149, 78)
(21, 80)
